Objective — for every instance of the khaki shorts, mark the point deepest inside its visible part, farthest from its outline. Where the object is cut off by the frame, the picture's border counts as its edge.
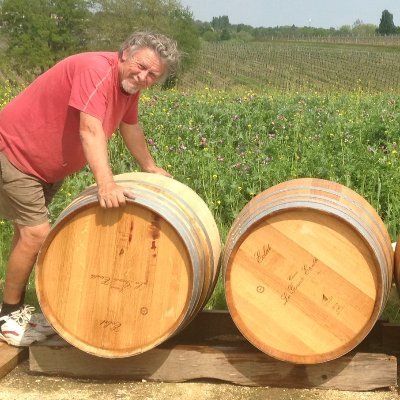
(24, 198)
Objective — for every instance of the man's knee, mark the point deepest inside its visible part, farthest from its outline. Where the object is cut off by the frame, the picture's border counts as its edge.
(33, 236)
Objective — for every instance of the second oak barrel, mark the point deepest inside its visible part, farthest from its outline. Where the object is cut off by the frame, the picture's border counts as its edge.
(307, 268)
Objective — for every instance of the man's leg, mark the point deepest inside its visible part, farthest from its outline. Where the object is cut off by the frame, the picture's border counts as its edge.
(24, 249)
(16, 320)
(24, 200)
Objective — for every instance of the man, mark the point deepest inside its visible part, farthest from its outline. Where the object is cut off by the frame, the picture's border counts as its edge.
(54, 127)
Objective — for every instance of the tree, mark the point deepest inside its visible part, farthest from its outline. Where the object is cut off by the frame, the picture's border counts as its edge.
(220, 23)
(244, 36)
(387, 26)
(345, 29)
(225, 34)
(41, 32)
(364, 29)
(210, 36)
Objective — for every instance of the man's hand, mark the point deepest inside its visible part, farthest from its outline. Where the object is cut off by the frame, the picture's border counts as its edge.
(112, 195)
(158, 170)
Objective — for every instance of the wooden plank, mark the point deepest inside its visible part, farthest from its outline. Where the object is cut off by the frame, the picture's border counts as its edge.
(211, 326)
(208, 326)
(390, 337)
(238, 364)
(10, 357)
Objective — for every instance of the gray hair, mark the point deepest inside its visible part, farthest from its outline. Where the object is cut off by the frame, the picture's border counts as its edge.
(163, 46)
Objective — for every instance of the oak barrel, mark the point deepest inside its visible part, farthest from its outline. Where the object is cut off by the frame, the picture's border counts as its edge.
(307, 267)
(118, 282)
(397, 264)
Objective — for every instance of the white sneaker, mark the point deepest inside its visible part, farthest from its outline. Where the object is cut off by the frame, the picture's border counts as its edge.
(16, 330)
(37, 321)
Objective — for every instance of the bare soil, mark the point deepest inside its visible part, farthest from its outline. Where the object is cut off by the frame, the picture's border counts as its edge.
(21, 384)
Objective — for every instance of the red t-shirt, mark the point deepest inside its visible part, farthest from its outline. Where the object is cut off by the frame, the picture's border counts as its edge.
(39, 128)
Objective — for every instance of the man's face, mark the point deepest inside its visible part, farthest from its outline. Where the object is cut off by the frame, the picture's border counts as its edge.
(140, 70)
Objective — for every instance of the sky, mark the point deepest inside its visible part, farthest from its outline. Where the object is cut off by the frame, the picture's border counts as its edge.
(315, 13)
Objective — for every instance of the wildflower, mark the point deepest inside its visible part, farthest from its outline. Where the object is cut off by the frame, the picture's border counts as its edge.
(266, 160)
(203, 142)
(237, 165)
(151, 142)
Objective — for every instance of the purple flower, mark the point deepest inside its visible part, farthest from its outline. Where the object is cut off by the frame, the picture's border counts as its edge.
(203, 142)
(151, 142)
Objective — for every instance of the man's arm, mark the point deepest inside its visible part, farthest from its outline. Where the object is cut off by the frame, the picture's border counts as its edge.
(94, 144)
(135, 141)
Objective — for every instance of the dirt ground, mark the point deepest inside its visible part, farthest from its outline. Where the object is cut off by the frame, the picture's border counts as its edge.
(21, 384)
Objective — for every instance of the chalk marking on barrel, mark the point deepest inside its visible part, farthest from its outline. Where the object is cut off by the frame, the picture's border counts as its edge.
(295, 284)
(114, 326)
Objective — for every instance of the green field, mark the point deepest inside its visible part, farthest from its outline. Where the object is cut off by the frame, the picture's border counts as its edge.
(253, 115)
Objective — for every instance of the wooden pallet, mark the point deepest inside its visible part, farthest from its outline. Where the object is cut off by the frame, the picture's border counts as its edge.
(212, 348)
(10, 357)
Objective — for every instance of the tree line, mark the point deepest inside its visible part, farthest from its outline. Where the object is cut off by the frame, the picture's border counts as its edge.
(219, 28)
